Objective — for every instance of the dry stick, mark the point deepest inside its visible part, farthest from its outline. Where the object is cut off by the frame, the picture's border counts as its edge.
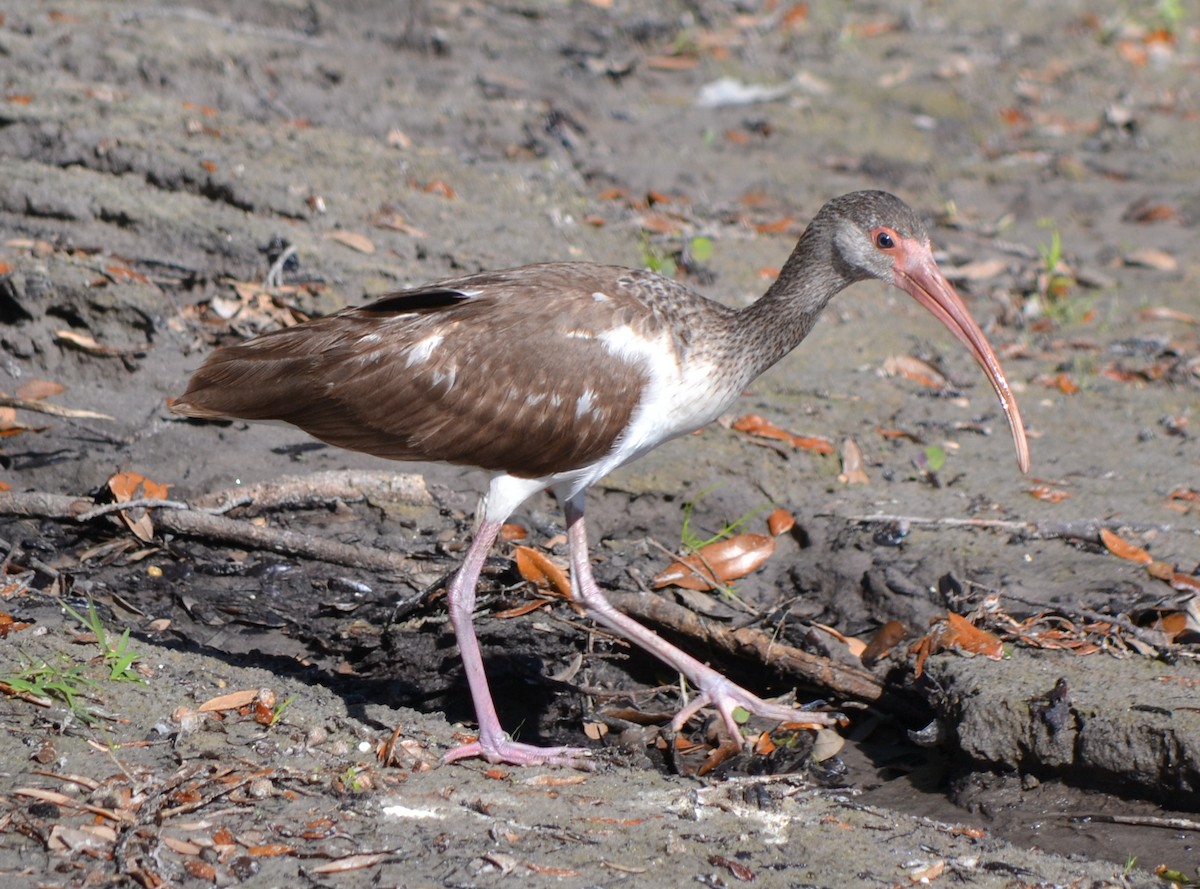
(54, 410)
(744, 642)
(748, 642)
(1140, 820)
(214, 527)
(1084, 529)
(305, 491)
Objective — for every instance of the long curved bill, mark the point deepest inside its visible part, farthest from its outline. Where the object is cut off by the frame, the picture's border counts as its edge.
(918, 275)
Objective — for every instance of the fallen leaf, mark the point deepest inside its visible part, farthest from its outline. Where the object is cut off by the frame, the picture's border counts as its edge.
(885, 639)
(511, 531)
(1152, 258)
(853, 471)
(776, 227)
(9, 625)
(780, 521)
(351, 862)
(1049, 494)
(855, 646)
(36, 389)
(86, 343)
(1124, 549)
(536, 568)
(200, 870)
(955, 633)
(353, 240)
(913, 369)
(729, 559)
(672, 63)
(658, 223)
(1164, 313)
(235, 700)
(753, 424)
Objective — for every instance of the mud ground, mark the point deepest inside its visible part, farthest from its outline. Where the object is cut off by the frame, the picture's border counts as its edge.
(157, 160)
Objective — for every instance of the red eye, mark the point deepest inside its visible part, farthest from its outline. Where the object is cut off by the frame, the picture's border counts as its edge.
(884, 240)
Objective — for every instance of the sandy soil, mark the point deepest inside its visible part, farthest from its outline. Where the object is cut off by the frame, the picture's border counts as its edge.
(157, 160)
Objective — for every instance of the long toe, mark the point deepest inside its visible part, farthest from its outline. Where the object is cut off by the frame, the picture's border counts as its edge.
(726, 698)
(516, 754)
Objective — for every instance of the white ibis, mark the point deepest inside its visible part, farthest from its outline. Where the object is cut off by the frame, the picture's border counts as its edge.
(550, 376)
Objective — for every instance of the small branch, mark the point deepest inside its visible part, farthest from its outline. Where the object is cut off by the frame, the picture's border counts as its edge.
(205, 525)
(54, 410)
(1140, 820)
(1083, 529)
(754, 644)
(321, 488)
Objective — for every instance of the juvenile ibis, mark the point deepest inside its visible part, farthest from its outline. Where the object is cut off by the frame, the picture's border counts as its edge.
(550, 376)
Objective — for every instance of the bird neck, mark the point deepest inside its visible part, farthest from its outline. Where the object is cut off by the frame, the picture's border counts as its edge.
(781, 318)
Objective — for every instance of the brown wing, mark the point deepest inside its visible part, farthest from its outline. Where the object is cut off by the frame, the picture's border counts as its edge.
(502, 370)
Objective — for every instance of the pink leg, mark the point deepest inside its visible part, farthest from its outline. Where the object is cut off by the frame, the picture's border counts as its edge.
(714, 689)
(493, 744)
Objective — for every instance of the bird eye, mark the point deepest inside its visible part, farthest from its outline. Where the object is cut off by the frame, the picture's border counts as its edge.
(884, 240)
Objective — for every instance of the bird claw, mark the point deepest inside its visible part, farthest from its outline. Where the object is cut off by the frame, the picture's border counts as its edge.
(726, 697)
(514, 753)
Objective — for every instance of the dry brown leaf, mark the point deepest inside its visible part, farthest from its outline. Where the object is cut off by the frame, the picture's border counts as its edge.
(658, 223)
(235, 700)
(1124, 549)
(729, 559)
(1164, 313)
(36, 389)
(780, 521)
(885, 639)
(1153, 258)
(523, 609)
(913, 369)
(353, 240)
(351, 862)
(672, 63)
(1049, 494)
(85, 343)
(753, 424)
(955, 633)
(183, 847)
(853, 471)
(856, 647)
(536, 568)
(776, 226)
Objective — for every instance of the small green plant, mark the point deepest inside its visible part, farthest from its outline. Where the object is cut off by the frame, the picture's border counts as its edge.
(1130, 863)
(698, 249)
(1169, 15)
(63, 681)
(277, 711)
(69, 682)
(690, 541)
(656, 260)
(351, 781)
(1056, 281)
(117, 657)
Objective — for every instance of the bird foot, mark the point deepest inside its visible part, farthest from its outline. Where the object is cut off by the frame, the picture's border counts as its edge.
(513, 753)
(726, 697)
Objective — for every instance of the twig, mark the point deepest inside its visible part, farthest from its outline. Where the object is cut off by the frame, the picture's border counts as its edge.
(274, 276)
(752, 643)
(1083, 529)
(142, 503)
(193, 523)
(1139, 820)
(319, 488)
(54, 410)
